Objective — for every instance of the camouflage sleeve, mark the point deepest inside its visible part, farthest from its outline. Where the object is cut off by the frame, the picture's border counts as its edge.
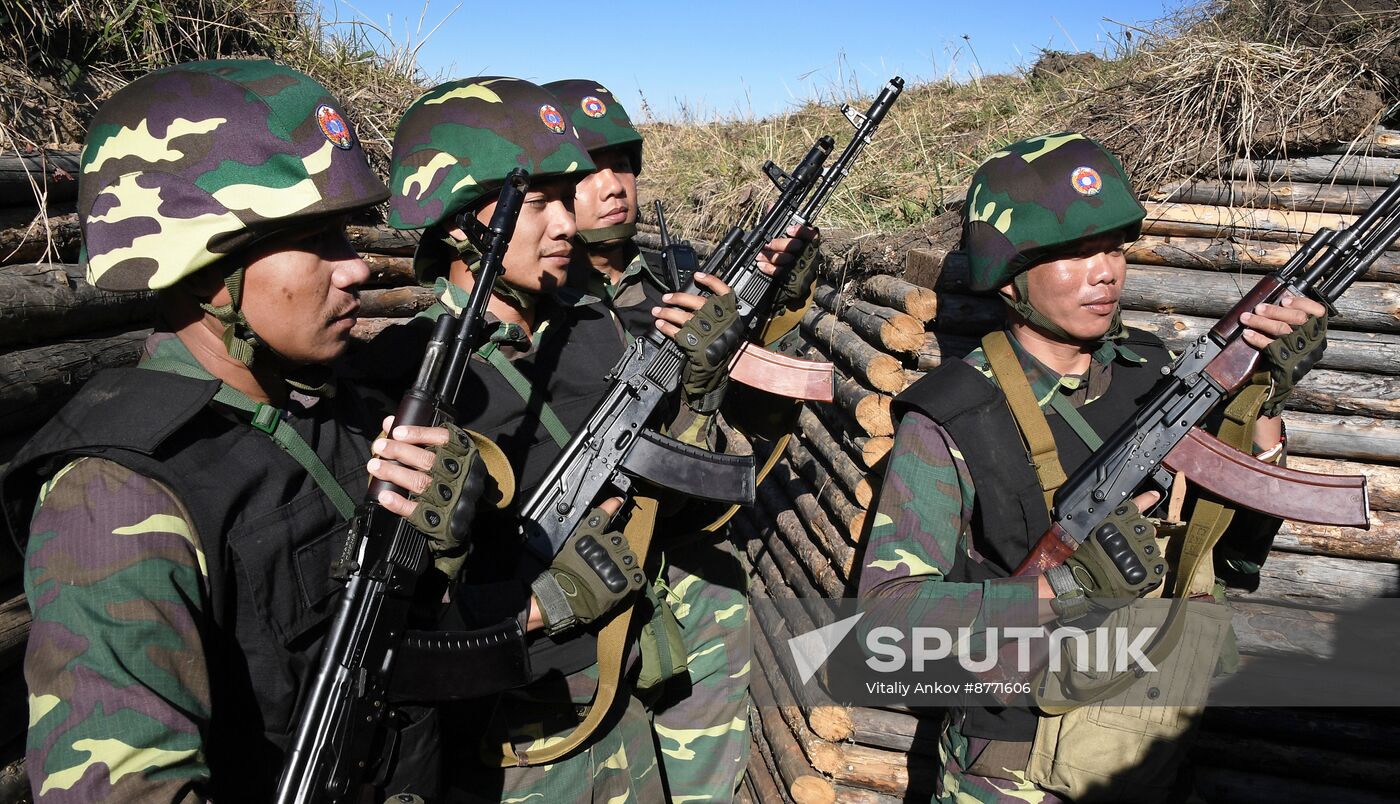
(925, 507)
(118, 687)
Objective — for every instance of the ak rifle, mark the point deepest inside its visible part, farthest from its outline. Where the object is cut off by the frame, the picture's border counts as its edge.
(1163, 438)
(618, 442)
(339, 723)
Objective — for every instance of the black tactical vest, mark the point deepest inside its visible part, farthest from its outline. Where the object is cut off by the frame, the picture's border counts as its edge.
(1009, 514)
(267, 530)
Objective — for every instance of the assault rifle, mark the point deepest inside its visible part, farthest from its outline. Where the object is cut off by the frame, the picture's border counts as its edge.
(615, 444)
(1162, 438)
(384, 558)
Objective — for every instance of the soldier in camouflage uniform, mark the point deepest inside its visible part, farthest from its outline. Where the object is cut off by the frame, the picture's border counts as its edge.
(189, 507)
(701, 715)
(1045, 225)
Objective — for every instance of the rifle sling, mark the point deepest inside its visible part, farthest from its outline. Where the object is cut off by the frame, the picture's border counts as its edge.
(612, 653)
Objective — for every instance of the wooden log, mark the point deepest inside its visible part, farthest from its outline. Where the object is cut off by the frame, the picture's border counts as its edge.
(1348, 437)
(387, 271)
(916, 301)
(844, 428)
(404, 302)
(869, 409)
(874, 450)
(1269, 629)
(27, 237)
(856, 357)
(878, 728)
(825, 446)
(1380, 141)
(888, 772)
(1343, 199)
(879, 326)
(1273, 223)
(38, 381)
(961, 314)
(381, 239)
(921, 266)
(939, 346)
(803, 499)
(842, 511)
(1367, 352)
(1369, 306)
(1329, 169)
(34, 179)
(1301, 578)
(762, 772)
(1380, 543)
(40, 302)
(1382, 482)
(800, 544)
(856, 795)
(366, 329)
(1235, 253)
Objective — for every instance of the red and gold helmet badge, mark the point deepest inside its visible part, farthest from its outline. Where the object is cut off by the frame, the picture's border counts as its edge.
(552, 119)
(1086, 180)
(333, 126)
(594, 106)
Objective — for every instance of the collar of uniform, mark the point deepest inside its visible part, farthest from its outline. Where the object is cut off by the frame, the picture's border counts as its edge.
(168, 346)
(508, 337)
(1045, 382)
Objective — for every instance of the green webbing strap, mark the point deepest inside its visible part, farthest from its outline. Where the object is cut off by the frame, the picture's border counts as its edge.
(1075, 420)
(268, 419)
(527, 392)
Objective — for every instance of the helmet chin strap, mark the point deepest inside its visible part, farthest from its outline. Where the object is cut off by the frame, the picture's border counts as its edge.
(470, 253)
(1023, 307)
(244, 345)
(607, 237)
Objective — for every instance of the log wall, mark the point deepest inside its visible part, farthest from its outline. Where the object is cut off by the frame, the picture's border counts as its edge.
(1203, 245)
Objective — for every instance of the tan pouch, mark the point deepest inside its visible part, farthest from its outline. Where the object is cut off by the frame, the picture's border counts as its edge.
(1126, 748)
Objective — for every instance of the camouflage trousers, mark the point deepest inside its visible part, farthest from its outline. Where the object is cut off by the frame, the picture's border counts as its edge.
(956, 786)
(618, 764)
(702, 719)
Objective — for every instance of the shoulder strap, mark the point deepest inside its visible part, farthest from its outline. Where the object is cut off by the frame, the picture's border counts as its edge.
(1030, 420)
(527, 392)
(268, 419)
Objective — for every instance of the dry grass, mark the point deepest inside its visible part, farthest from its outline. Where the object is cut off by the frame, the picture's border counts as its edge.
(1249, 77)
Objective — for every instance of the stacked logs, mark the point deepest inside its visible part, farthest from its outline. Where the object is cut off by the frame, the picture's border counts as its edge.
(1204, 245)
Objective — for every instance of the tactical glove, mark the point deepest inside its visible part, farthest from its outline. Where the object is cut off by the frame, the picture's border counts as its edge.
(709, 339)
(594, 572)
(446, 506)
(1118, 563)
(1291, 356)
(795, 283)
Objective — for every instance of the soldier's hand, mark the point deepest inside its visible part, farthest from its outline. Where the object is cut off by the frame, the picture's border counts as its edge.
(594, 572)
(442, 470)
(784, 251)
(1293, 336)
(707, 330)
(1118, 563)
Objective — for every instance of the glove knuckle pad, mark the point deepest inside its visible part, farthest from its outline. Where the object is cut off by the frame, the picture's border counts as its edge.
(600, 561)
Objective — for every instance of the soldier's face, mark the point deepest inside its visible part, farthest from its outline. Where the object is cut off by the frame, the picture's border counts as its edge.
(1080, 290)
(301, 292)
(608, 196)
(543, 245)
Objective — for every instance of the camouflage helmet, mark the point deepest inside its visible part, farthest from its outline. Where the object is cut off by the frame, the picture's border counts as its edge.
(459, 140)
(1037, 195)
(598, 117)
(194, 162)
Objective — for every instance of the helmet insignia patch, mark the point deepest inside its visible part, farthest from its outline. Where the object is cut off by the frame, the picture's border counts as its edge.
(333, 126)
(552, 119)
(1086, 180)
(593, 106)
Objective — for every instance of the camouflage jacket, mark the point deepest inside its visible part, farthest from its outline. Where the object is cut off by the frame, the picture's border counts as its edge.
(123, 659)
